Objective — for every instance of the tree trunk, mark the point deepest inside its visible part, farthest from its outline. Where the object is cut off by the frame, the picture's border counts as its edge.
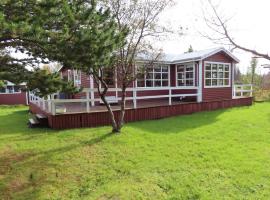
(113, 121)
(121, 118)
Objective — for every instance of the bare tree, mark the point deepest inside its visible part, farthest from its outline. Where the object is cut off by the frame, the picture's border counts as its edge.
(221, 34)
(141, 17)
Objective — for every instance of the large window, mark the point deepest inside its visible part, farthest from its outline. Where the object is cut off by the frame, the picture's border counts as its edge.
(10, 89)
(217, 74)
(157, 76)
(185, 75)
(75, 76)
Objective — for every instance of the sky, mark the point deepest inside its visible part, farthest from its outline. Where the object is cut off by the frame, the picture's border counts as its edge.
(248, 25)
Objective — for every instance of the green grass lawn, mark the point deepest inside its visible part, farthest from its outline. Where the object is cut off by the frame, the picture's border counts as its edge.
(222, 154)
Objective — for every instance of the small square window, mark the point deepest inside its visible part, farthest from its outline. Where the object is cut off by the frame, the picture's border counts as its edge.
(226, 82)
(208, 75)
(214, 81)
(180, 68)
(158, 76)
(157, 83)
(189, 82)
(214, 67)
(157, 69)
(214, 74)
(208, 82)
(220, 68)
(220, 74)
(165, 69)
(149, 83)
(181, 82)
(180, 75)
(208, 67)
(140, 83)
(165, 83)
(226, 68)
(165, 76)
(220, 82)
(226, 75)
(189, 75)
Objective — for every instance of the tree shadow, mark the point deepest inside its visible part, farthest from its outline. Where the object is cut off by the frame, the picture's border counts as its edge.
(180, 123)
(33, 164)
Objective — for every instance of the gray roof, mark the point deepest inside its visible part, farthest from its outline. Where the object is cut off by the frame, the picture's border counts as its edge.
(194, 56)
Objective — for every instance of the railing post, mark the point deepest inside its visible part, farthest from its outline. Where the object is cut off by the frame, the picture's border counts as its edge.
(242, 90)
(234, 91)
(49, 103)
(43, 104)
(87, 102)
(170, 96)
(53, 105)
(251, 90)
(135, 97)
(92, 97)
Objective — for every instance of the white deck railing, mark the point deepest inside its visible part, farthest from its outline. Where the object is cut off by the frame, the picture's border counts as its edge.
(242, 90)
(54, 106)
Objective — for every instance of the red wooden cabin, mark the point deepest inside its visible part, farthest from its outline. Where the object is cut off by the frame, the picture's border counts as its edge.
(12, 94)
(177, 84)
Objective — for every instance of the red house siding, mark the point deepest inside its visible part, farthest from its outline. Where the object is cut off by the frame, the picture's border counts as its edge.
(223, 93)
(13, 99)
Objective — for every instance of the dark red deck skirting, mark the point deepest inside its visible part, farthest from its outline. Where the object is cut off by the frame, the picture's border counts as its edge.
(102, 118)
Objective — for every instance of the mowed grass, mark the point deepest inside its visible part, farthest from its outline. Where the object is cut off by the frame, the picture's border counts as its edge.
(222, 154)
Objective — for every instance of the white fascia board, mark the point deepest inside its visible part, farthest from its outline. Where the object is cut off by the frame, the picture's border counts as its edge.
(220, 50)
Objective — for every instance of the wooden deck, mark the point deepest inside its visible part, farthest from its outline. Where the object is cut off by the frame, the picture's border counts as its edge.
(146, 111)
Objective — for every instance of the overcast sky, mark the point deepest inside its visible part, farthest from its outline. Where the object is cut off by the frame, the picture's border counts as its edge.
(249, 26)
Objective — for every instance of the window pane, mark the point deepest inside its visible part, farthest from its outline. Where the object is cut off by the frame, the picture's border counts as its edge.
(157, 76)
(226, 82)
(149, 83)
(208, 74)
(189, 82)
(2, 90)
(226, 67)
(157, 83)
(189, 75)
(165, 76)
(208, 67)
(157, 69)
(220, 81)
(17, 89)
(214, 81)
(165, 68)
(214, 67)
(189, 68)
(164, 83)
(9, 89)
(140, 83)
(149, 75)
(220, 68)
(220, 74)
(140, 76)
(214, 74)
(180, 76)
(208, 82)
(181, 82)
(226, 75)
(180, 68)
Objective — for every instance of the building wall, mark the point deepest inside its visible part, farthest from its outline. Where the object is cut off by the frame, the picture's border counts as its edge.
(13, 99)
(222, 93)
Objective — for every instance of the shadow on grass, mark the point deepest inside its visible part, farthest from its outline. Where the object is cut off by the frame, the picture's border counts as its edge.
(178, 124)
(34, 165)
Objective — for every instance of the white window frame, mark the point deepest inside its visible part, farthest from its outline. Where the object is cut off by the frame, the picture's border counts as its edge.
(153, 78)
(13, 92)
(217, 86)
(185, 65)
(77, 77)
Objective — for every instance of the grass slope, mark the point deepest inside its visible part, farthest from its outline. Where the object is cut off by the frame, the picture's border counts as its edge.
(211, 155)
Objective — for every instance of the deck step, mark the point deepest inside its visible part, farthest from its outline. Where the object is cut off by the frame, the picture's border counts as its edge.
(33, 123)
(41, 116)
